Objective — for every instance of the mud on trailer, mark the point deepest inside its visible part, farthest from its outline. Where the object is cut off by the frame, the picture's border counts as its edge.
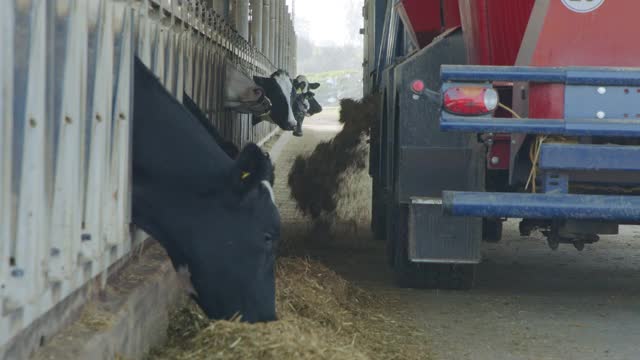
(496, 109)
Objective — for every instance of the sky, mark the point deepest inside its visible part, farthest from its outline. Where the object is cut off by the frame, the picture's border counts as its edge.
(327, 22)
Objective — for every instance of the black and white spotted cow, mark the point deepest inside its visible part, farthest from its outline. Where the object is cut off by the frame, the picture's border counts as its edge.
(305, 103)
(243, 95)
(215, 216)
(279, 89)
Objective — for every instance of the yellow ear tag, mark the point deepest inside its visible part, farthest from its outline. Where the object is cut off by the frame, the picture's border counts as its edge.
(245, 175)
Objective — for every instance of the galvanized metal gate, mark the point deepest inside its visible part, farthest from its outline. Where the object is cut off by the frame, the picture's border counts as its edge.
(65, 135)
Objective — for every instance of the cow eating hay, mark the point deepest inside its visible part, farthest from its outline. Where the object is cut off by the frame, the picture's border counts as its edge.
(316, 180)
(322, 316)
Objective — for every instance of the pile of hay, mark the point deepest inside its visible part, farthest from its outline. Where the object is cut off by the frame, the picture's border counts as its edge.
(316, 180)
(321, 317)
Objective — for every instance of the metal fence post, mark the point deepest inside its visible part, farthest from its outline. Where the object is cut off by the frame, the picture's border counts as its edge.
(266, 26)
(242, 18)
(65, 135)
(6, 133)
(256, 22)
(273, 33)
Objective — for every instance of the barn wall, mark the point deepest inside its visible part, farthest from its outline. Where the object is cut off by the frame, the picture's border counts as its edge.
(65, 131)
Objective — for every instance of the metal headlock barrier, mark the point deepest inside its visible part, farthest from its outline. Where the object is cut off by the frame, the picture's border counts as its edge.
(65, 136)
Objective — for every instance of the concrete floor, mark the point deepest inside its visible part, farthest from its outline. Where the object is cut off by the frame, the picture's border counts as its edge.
(529, 302)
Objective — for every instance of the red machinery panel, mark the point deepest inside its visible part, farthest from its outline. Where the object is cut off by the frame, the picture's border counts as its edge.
(493, 29)
(426, 19)
(606, 35)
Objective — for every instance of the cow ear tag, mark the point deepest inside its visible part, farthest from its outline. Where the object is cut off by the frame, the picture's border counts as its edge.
(245, 175)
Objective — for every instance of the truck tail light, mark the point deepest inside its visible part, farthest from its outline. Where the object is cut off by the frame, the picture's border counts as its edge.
(470, 100)
(417, 86)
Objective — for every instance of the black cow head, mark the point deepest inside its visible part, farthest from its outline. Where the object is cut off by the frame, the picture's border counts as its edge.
(280, 91)
(314, 105)
(215, 216)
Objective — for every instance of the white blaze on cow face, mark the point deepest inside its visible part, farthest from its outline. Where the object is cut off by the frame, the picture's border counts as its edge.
(184, 280)
(267, 186)
(285, 84)
(303, 84)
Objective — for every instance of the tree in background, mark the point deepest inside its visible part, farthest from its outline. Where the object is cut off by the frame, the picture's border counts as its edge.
(337, 67)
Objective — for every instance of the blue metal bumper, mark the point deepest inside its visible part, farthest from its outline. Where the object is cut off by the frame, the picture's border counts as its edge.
(586, 157)
(542, 206)
(565, 127)
(590, 76)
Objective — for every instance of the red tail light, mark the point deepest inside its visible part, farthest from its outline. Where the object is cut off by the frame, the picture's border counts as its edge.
(417, 86)
(470, 100)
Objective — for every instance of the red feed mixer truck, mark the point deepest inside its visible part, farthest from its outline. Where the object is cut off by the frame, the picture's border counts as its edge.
(498, 109)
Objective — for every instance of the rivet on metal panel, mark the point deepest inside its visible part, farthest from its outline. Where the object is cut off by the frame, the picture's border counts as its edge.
(32, 122)
(495, 160)
(602, 90)
(121, 116)
(601, 114)
(67, 119)
(98, 117)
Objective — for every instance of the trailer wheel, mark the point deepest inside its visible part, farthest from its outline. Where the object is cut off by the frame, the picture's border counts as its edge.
(492, 230)
(408, 274)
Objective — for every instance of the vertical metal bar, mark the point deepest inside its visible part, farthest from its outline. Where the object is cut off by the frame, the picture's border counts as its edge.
(6, 134)
(242, 18)
(101, 122)
(256, 22)
(170, 70)
(273, 31)
(26, 278)
(120, 176)
(66, 216)
(276, 36)
(266, 26)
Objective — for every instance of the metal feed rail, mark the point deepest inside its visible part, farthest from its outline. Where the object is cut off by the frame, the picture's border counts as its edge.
(65, 134)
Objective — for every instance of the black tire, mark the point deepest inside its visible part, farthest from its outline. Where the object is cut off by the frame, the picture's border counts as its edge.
(423, 276)
(492, 230)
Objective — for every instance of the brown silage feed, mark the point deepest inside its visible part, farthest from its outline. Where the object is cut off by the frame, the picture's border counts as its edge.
(315, 180)
(321, 316)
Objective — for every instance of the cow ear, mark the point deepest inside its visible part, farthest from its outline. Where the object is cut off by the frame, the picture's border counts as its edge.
(251, 167)
(314, 86)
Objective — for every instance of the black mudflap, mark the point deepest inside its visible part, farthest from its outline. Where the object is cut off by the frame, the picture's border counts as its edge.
(436, 238)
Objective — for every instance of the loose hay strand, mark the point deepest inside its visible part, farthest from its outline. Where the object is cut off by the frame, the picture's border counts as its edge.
(322, 316)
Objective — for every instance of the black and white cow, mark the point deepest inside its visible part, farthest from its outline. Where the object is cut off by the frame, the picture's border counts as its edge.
(305, 103)
(227, 146)
(279, 89)
(243, 95)
(215, 216)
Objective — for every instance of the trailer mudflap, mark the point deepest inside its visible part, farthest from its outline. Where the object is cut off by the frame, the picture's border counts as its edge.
(435, 238)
